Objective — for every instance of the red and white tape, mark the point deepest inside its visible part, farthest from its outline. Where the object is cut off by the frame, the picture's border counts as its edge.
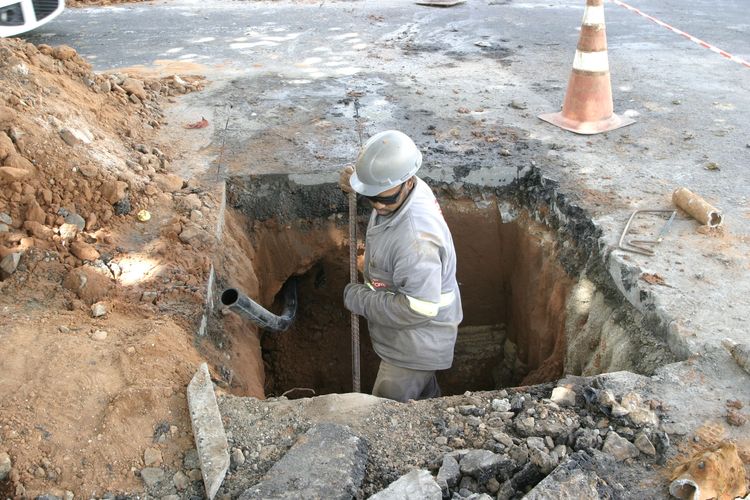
(700, 42)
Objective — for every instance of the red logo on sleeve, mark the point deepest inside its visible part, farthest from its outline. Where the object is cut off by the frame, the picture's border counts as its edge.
(378, 284)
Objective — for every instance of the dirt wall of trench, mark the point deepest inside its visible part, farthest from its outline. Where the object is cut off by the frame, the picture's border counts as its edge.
(509, 274)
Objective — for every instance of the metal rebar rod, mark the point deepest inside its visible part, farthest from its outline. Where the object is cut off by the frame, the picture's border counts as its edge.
(353, 279)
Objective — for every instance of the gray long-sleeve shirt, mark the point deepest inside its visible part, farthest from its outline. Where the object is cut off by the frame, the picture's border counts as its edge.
(411, 300)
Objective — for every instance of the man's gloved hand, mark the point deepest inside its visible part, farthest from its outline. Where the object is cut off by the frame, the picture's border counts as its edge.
(344, 177)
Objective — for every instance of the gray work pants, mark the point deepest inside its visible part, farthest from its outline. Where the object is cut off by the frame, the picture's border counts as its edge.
(403, 384)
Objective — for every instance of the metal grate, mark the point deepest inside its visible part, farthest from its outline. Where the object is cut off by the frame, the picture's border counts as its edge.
(43, 8)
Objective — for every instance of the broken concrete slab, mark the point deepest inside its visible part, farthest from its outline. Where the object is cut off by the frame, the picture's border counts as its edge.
(575, 478)
(210, 439)
(328, 462)
(418, 483)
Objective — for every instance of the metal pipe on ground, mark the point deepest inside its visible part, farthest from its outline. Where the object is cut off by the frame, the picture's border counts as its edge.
(247, 307)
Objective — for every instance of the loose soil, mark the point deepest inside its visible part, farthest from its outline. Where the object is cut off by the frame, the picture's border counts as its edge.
(81, 398)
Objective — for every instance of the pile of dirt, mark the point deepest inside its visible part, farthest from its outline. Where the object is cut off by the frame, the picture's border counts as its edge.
(103, 251)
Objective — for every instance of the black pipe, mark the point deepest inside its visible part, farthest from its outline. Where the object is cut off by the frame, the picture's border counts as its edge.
(247, 307)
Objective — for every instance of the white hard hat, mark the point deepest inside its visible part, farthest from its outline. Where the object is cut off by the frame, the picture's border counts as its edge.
(387, 159)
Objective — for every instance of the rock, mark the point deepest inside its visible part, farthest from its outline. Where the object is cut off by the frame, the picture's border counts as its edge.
(4, 228)
(5, 466)
(575, 478)
(84, 251)
(13, 174)
(98, 310)
(122, 207)
(517, 402)
(619, 447)
(196, 216)
(63, 329)
(69, 137)
(37, 230)
(618, 410)
(191, 460)
(563, 396)
(493, 485)
(64, 53)
(449, 474)
(525, 426)
(7, 116)
(15, 160)
(641, 417)
(169, 182)
(470, 410)
(9, 264)
(5, 219)
(191, 234)
(542, 459)
(134, 87)
(88, 170)
(631, 401)
(6, 146)
(502, 438)
(190, 202)
(181, 481)
(152, 456)
(83, 136)
(327, 462)
(519, 453)
(149, 296)
(735, 418)
(561, 450)
(68, 232)
(114, 191)
(516, 104)
(468, 483)
(536, 442)
(416, 484)
(35, 213)
(237, 458)
(88, 284)
(483, 464)
(102, 335)
(643, 443)
(500, 405)
(91, 221)
(586, 438)
(151, 476)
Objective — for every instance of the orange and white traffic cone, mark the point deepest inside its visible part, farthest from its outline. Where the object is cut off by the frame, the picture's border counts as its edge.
(588, 107)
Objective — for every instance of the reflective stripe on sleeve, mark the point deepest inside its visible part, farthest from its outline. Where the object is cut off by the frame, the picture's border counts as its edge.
(430, 309)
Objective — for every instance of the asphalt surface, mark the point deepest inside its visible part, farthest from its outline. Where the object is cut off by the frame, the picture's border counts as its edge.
(281, 73)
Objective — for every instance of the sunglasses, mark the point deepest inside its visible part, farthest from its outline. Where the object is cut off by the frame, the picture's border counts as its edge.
(387, 200)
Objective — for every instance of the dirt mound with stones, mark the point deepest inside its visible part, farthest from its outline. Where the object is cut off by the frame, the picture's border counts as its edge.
(102, 259)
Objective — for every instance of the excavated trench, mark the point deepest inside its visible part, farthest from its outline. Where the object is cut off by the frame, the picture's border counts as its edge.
(534, 306)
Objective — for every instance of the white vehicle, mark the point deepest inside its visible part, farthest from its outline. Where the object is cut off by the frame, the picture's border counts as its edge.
(20, 16)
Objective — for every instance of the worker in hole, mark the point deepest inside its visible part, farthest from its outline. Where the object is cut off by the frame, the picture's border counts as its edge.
(410, 297)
